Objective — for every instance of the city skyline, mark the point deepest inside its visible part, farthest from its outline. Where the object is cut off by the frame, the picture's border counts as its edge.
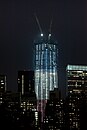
(19, 30)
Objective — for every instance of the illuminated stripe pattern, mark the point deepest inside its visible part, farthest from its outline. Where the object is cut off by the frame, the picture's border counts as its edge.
(46, 77)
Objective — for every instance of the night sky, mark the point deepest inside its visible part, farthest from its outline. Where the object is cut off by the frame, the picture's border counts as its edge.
(18, 29)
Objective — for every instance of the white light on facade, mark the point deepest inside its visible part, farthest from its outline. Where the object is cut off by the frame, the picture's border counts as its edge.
(46, 78)
(49, 35)
(41, 34)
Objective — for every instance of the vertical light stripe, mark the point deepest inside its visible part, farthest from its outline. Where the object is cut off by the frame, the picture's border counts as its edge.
(5, 84)
(46, 77)
(22, 84)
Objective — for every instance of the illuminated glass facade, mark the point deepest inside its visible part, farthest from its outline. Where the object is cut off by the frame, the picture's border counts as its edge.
(77, 95)
(46, 78)
(76, 78)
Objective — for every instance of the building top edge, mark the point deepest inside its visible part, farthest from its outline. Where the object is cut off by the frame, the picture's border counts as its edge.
(45, 42)
(76, 67)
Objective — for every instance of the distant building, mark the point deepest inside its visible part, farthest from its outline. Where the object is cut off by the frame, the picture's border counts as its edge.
(76, 96)
(28, 103)
(3, 83)
(12, 99)
(3, 86)
(54, 113)
(19, 112)
(26, 82)
(76, 79)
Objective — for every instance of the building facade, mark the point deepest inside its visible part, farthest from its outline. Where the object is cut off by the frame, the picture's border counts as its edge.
(54, 112)
(46, 69)
(46, 78)
(3, 83)
(3, 86)
(25, 82)
(76, 78)
(77, 96)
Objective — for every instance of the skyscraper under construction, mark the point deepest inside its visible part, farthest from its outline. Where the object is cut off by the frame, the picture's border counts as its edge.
(46, 78)
(46, 69)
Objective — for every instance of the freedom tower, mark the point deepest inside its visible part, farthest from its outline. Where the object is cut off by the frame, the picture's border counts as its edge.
(46, 68)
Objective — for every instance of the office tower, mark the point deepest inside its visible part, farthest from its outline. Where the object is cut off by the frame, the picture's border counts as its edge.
(77, 96)
(76, 78)
(28, 103)
(46, 78)
(26, 82)
(46, 69)
(3, 85)
(11, 99)
(54, 112)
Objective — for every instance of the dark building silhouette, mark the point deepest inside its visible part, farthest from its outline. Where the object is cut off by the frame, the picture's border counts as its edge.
(26, 82)
(31, 118)
(54, 113)
(19, 111)
(3, 86)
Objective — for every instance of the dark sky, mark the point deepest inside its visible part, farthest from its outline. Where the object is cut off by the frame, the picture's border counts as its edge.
(18, 29)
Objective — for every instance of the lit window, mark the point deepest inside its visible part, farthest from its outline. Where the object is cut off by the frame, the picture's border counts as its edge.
(2, 83)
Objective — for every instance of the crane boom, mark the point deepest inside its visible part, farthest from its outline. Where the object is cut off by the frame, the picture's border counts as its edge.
(38, 23)
(50, 26)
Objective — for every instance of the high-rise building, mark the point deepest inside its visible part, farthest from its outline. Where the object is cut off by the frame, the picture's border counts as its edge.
(77, 96)
(46, 69)
(76, 79)
(25, 82)
(54, 112)
(46, 78)
(3, 86)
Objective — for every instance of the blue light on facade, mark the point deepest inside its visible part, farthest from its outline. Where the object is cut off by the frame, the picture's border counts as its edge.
(46, 68)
